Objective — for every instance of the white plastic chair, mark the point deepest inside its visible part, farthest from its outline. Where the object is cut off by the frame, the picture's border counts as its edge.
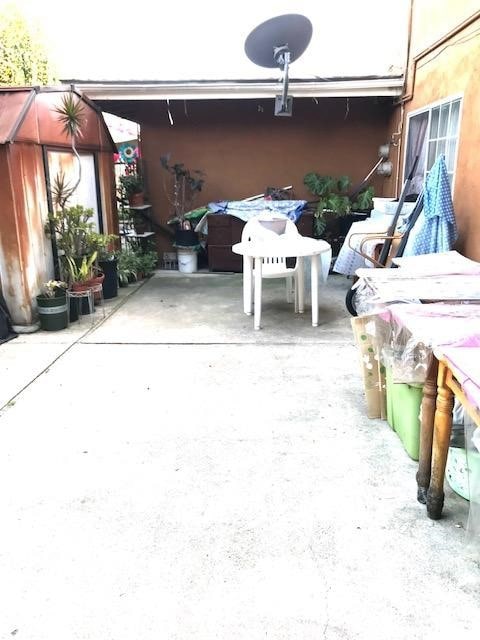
(272, 267)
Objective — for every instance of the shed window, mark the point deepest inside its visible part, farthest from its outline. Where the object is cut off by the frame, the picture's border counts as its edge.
(432, 132)
(86, 193)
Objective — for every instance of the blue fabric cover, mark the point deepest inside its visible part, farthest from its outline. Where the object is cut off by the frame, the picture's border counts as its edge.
(246, 210)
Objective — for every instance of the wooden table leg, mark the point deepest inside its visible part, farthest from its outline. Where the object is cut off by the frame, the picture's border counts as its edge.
(314, 285)
(441, 441)
(257, 305)
(426, 431)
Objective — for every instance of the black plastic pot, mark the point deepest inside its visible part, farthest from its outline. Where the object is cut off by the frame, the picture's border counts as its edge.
(52, 313)
(73, 310)
(185, 238)
(345, 222)
(110, 284)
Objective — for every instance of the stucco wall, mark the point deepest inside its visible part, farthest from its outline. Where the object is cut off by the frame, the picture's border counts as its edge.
(432, 19)
(243, 148)
(451, 69)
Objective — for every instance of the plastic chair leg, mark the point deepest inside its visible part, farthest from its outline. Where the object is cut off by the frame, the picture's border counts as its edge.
(301, 285)
(290, 289)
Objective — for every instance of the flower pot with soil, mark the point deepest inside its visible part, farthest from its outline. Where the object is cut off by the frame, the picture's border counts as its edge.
(52, 306)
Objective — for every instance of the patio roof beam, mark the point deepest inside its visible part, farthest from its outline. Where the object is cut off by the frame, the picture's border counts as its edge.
(233, 90)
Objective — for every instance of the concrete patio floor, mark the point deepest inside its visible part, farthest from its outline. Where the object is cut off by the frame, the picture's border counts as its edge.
(172, 474)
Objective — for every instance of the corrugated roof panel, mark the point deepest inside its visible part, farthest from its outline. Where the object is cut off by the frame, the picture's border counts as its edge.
(12, 109)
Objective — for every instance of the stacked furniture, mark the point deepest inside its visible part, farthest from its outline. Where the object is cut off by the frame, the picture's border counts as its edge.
(225, 230)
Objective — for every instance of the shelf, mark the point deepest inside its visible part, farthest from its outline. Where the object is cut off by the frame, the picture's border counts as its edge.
(140, 207)
(132, 234)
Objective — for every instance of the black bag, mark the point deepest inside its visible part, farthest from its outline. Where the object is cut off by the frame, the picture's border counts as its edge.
(6, 330)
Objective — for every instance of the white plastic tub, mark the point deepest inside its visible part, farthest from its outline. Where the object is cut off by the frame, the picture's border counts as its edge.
(187, 260)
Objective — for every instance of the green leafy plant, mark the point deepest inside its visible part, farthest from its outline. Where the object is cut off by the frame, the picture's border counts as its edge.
(103, 244)
(333, 198)
(71, 227)
(364, 200)
(128, 265)
(147, 262)
(184, 187)
(24, 58)
(131, 184)
(80, 271)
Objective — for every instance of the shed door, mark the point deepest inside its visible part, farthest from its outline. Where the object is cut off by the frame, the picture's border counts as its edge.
(86, 193)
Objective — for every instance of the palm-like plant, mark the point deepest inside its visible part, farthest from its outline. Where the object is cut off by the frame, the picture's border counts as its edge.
(61, 191)
(71, 115)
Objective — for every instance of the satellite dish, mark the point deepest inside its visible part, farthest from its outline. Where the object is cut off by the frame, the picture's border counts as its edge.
(276, 43)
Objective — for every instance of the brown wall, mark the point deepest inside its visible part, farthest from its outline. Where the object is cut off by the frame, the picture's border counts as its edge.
(243, 148)
(452, 68)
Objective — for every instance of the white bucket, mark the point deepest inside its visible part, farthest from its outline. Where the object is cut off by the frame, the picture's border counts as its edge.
(187, 260)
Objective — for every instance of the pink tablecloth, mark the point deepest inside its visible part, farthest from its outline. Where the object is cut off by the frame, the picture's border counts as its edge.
(438, 324)
(412, 331)
(465, 361)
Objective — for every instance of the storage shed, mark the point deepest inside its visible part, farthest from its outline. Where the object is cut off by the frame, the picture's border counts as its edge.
(33, 149)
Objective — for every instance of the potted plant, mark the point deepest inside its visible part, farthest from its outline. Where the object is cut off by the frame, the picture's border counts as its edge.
(332, 215)
(104, 246)
(52, 306)
(127, 267)
(148, 261)
(184, 186)
(132, 187)
(71, 227)
(83, 275)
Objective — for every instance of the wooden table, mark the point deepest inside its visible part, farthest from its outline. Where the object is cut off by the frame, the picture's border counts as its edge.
(440, 389)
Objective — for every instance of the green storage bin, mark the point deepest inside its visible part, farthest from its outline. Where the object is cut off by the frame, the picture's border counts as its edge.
(403, 411)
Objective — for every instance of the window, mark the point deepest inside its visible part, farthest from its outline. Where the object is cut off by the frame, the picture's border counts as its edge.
(86, 193)
(432, 132)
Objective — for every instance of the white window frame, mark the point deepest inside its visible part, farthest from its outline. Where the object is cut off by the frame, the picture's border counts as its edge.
(428, 109)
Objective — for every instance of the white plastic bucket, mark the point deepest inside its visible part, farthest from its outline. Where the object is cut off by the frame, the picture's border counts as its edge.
(187, 260)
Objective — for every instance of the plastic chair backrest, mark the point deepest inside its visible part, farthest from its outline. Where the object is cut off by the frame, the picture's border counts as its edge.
(253, 230)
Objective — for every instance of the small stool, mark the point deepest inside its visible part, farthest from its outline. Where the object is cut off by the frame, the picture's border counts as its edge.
(79, 296)
(97, 295)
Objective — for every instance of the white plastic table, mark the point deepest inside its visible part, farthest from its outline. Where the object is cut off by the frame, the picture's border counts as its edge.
(282, 246)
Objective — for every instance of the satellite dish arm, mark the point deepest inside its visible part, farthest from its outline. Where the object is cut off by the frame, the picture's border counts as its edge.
(282, 57)
(285, 78)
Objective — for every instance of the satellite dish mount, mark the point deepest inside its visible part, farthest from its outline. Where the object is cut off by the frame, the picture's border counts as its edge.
(283, 102)
(276, 43)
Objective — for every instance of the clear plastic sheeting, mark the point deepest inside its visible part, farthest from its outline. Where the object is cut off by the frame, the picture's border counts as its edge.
(367, 300)
(407, 335)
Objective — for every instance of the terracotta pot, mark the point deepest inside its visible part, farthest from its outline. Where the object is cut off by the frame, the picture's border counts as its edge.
(94, 281)
(88, 284)
(136, 199)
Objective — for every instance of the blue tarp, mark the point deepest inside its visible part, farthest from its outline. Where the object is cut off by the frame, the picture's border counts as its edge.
(248, 209)
(437, 230)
